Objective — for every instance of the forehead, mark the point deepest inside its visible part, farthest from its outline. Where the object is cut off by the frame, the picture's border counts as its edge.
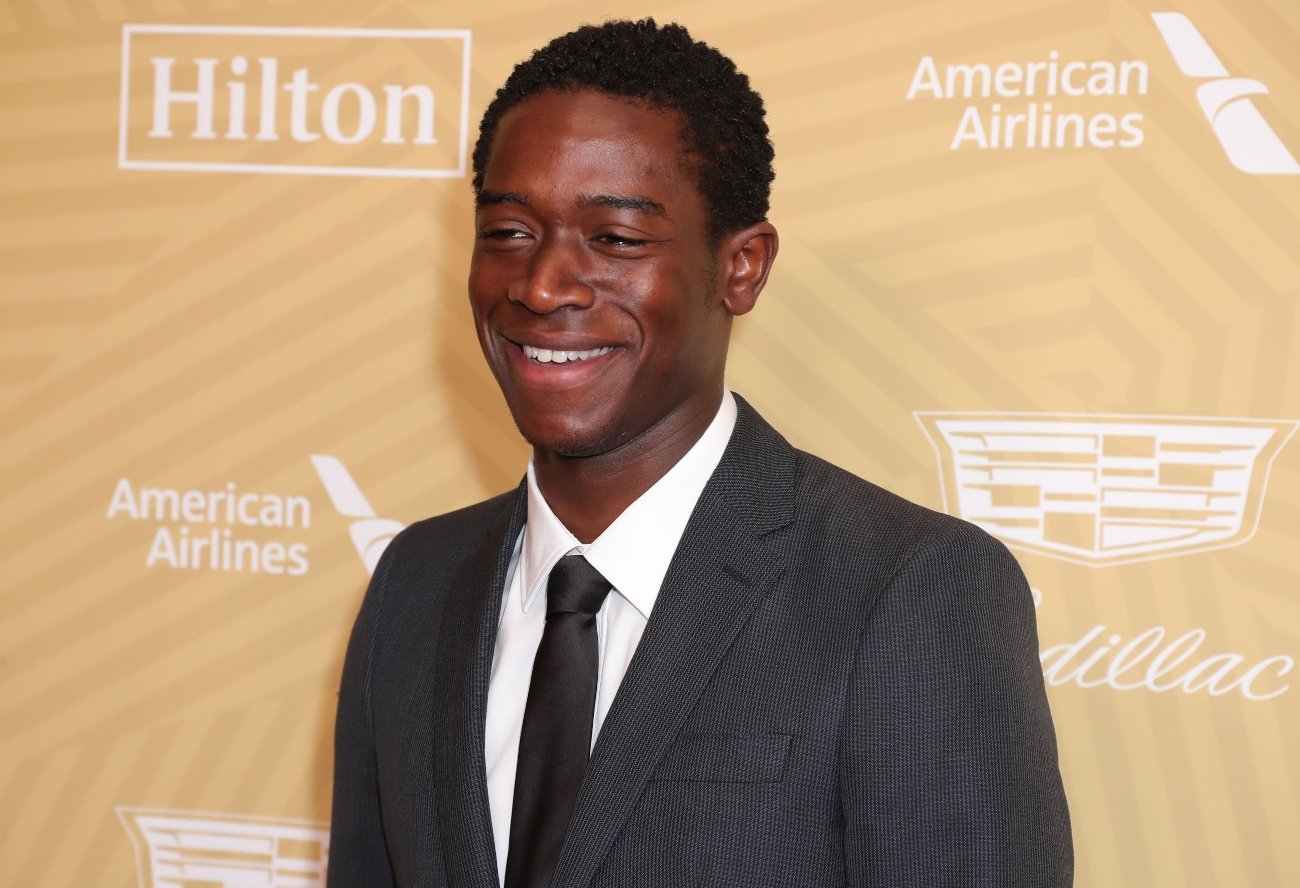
(559, 136)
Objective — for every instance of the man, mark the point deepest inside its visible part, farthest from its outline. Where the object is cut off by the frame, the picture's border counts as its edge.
(681, 652)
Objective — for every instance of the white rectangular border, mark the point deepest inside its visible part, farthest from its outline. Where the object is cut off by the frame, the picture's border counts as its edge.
(123, 162)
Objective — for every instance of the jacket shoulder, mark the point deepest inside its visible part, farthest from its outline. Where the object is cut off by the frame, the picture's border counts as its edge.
(434, 546)
(864, 522)
(823, 486)
(460, 526)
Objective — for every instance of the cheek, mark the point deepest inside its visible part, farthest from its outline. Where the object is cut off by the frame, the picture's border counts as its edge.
(685, 343)
(486, 282)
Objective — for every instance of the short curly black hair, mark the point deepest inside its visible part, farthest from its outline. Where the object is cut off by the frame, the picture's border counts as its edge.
(725, 133)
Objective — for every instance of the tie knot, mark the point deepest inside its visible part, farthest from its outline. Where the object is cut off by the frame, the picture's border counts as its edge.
(575, 587)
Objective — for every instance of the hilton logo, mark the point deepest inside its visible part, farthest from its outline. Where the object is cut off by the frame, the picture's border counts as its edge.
(184, 848)
(322, 101)
(1247, 139)
(1102, 490)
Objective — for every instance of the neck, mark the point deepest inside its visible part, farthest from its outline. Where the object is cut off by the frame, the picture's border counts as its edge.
(588, 493)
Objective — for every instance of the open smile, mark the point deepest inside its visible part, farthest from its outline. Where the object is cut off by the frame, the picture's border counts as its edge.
(558, 364)
(561, 356)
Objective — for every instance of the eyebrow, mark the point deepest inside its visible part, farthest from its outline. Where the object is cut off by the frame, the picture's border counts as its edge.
(623, 202)
(491, 198)
(613, 201)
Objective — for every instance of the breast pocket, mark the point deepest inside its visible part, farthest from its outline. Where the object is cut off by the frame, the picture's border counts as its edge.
(725, 758)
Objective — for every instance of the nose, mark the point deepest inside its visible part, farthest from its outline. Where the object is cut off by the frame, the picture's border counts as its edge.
(552, 280)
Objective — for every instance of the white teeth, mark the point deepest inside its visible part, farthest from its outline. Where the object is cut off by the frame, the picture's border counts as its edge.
(557, 356)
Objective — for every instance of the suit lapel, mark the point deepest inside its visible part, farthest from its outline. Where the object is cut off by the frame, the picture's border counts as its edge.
(463, 669)
(726, 562)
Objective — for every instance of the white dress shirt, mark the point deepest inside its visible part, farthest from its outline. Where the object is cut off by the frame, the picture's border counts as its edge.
(633, 554)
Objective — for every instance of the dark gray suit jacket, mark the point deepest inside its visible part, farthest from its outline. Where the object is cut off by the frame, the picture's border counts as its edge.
(836, 687)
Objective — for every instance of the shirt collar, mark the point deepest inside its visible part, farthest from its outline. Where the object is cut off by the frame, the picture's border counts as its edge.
(634, 552)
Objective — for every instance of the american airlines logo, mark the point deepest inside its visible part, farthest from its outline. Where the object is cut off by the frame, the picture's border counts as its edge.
(370, 533)
(1103, 490)
(184, 848)
(312, 101)
(1250, 143)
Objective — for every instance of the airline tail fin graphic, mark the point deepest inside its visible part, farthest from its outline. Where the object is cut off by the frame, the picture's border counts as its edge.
(1250, 143)
(1191, 52)
(371, 535)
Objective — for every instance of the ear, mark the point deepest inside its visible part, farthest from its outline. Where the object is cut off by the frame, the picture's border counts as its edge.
(745, 258)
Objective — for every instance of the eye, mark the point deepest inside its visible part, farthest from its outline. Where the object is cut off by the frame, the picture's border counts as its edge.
(620, 240)
(504, 239)
(502, 234)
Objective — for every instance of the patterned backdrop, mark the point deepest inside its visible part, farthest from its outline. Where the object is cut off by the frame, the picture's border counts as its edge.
(1039, 268)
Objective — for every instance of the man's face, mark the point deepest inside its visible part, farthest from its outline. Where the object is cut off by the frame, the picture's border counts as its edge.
(592, 238)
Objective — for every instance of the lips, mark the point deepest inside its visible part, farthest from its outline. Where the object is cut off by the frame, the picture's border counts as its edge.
(558, 364)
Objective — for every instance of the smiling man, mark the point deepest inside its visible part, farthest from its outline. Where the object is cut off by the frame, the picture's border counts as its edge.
(681, 652)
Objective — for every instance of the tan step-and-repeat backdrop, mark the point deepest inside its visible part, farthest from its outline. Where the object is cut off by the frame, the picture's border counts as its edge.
(1040, 268)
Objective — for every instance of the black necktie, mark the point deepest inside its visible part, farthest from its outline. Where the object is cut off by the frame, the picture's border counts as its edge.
(556, 737)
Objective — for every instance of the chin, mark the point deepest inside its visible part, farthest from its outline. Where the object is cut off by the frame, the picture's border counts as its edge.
(572, 441)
